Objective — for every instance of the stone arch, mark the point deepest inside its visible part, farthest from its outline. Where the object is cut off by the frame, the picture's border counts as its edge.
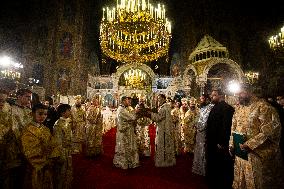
(231, 63)
(190, 67)
(126, 67)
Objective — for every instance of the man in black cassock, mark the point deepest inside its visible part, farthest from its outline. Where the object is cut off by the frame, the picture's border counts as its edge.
(219, 162)
(52, 116)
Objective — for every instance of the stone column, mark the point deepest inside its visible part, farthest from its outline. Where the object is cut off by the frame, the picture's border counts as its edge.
(201, 81)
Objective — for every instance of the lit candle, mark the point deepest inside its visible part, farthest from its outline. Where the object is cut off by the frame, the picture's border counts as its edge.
(159, 10)
(282, 33)
(108, 15)
(164, 12)
(143, 5)
(139, 7)
(103, 13)
(132, 5)
(114, 13)
(128, 6)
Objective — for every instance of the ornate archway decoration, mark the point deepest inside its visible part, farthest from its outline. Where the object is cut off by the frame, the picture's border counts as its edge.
(214, 61)
(190, 67)
(188, 79)
(122, 69)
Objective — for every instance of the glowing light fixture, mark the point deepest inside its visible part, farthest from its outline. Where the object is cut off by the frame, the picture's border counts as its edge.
(234, 87)
(9, 68)
(135, 78)
(277, 41)
(135, 31)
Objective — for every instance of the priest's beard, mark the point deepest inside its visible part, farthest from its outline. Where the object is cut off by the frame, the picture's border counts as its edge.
(78, 105)
(192, 108)
(184, 108)
(244, 100)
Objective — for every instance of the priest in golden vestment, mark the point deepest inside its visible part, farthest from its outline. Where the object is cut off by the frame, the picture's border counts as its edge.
(94, 129)
(10, 153)
(40, 150)
(62, 132)
(22, 110)
(183, 110)
(189, 126)
(78, 124)
(21, 113)
(258, 122)
(142, 130)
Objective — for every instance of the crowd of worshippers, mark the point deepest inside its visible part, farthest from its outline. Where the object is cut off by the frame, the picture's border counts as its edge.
(233, 146)
(37, 142)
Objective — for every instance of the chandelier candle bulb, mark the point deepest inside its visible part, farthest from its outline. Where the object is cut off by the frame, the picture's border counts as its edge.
(128, 7)
(103, 13)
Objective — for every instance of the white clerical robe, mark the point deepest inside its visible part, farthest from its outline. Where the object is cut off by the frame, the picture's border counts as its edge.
(126, 152)
(22, 119)
(164, 141)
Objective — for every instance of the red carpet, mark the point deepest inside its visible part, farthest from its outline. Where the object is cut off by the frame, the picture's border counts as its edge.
(101, 174)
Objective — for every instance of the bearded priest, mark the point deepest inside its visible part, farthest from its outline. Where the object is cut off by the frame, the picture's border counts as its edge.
(126, 151)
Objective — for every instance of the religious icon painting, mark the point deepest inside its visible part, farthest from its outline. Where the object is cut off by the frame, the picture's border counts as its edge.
(42, 35)
(109, 100)
(175, 65)
(66, 45)
(95, 61)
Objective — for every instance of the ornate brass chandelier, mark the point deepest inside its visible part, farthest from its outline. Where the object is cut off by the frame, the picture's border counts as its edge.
(277, 41)
(135, 78)
(135, 31)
